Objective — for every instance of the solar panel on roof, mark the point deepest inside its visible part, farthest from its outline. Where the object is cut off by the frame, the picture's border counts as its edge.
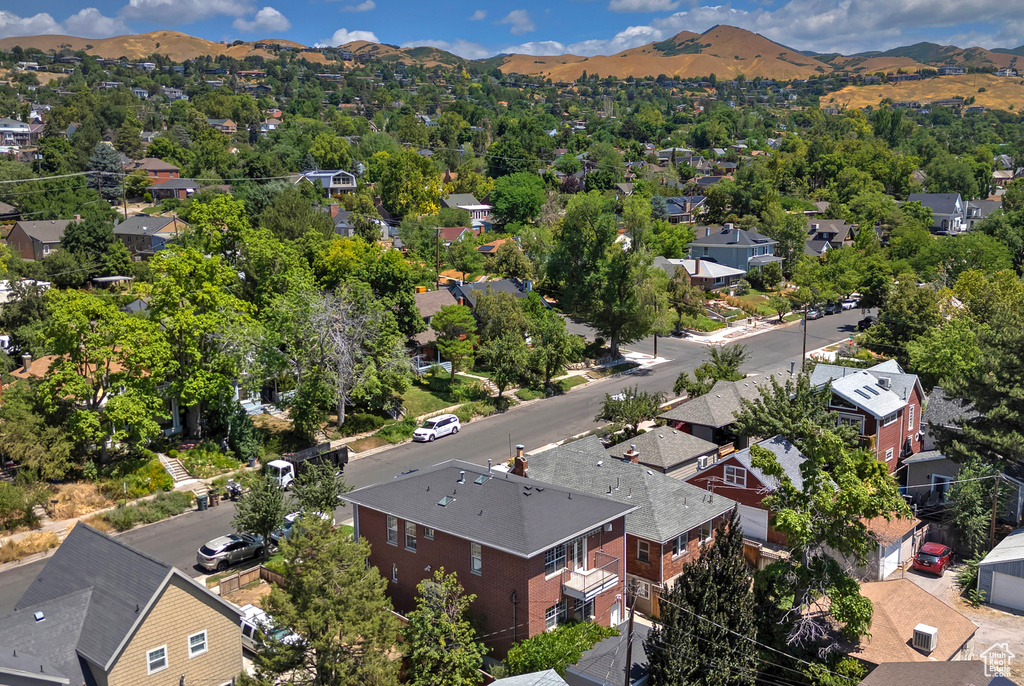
(873, 390)
(860, 392)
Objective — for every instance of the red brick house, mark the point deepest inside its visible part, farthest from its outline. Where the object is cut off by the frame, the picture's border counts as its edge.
(882, 402)
(735, 477)
(673, 520)
(156, 169)
(534, 554)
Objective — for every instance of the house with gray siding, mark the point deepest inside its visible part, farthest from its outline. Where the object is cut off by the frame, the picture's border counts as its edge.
(736, 248)
(1001, 573)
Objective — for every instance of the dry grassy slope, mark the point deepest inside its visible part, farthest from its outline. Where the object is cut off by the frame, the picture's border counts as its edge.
(1000, 92)
(175, 45)
(869, 65)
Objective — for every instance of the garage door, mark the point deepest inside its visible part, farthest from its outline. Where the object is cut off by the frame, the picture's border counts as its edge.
(1007, 591)
(754, 522)
(891, 560)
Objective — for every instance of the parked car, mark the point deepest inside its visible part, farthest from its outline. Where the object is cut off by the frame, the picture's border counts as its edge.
(850, 303)
(833, 308)
(866, 323)
(813, 314)
(290, 520)
(436, 427)
(222, 552)
(256, 624)
(933, 558)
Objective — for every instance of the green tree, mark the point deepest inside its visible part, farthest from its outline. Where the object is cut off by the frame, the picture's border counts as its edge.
(128, 139)
(629, 301)
(443, 650)
(723, 364)
(555, 649)
(517, 198)
(106, 168)
(794, 409)
(908, 312)
(510, 261)
(260, 511)
(498, 314)
(290, 216)
(707, 619)
(970, 505)
(782, 306)
(410, 185)
(331, 152)
(319, 489)
(242, 436)
(685, 298)
(89, 239)
(574, 267)
(40, 448)
(630, 407)
(554, 347)
(506, 356)
(456, 334)
(949, 352)
(336, 603)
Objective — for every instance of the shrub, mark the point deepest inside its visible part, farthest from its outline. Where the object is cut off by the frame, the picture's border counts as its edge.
(967, 576)
(30, 545)
(161, 507)
(17, 504)
(135, 476)
(700, 323)
(361, 422)
(529, 394)
(555, 649)
(742, 287)
(397, 432)
(207, 460)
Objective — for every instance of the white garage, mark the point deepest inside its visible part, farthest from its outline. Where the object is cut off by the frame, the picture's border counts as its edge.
(1001, 573)
(755, 522)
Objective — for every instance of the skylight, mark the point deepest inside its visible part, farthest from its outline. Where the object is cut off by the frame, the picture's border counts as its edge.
(443, 502)
(480, 479)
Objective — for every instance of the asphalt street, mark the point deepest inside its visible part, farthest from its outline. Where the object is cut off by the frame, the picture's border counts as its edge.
(175, 540)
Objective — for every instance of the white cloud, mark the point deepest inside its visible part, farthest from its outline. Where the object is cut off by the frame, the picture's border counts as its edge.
(520, 22)
(543, 47)
(463, 48)
(177, 12)
(479, 15)
(642, 5)
(267, 20)
(86, 23)
(364, 6)
(342, 36)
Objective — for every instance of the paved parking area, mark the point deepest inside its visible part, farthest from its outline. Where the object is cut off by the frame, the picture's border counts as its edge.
(994, 626)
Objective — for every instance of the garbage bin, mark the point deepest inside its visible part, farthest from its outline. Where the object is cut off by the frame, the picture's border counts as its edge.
(252, 462)
(214, 498)
(202, 502)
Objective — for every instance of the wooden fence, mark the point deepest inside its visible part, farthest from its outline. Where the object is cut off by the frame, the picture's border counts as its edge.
(230, 584)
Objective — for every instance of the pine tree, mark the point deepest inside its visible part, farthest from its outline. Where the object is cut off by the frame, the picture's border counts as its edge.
(704, 618)
(107, 165)
(443, 650)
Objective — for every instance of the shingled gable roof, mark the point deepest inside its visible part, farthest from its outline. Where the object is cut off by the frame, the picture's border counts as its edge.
(503, 511)
(49, 231)
(861, 388)
(145, 225)
(731, 236)
(666, 507)
(787, 455)
(122, 582)
(665, 448)
(718, 407)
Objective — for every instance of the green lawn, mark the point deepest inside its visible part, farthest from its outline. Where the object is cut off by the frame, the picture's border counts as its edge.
(419, 400)
(608, 371)
(572, 382)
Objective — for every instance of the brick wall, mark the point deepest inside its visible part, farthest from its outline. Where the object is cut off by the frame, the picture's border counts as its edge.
(501, 574)
(181, 611)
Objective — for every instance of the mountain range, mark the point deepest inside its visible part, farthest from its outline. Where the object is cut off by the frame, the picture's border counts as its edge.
(725, 51)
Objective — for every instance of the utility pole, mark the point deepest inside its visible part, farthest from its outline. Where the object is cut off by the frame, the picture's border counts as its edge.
(995, 506)
(629, 641)
(124, 197)
(803, 357)
(438, 247)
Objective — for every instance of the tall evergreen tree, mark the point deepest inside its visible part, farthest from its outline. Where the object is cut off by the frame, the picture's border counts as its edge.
(107, 165)
(704, 619)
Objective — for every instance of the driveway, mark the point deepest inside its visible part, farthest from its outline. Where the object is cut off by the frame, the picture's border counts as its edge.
(994, 626)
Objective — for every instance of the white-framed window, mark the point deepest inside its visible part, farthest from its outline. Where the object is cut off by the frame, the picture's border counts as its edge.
(681, 545)
(888, 454)
(555, 615)
(856, 421)
(410, 536)
(735, 476)
(910, 418)
(476, 558)
(197, 644)
(554, 560)
(642, 590)
(889, 419)
(156, 660)
(643, 551)
(394, 573)
(392, 530)
(707, 530)
(428, 533)
(583, 610)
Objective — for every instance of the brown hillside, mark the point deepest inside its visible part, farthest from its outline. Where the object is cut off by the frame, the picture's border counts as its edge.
(175, 45)
(1000, 92)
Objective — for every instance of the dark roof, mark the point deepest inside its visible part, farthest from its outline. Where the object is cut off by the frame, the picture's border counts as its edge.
(665, 448)
(55, 639)
(789, 458)
(667, 506)
(941, 410)
(718, 407)
(942, 203)
(16, 665)
(954, 673)
(605, 663)
(733, 236)
(175, 185)
(145, 225)
(50, 231)
(472, 291)
(151, 164)
(520, 516)
(456, 199)
(430, 302)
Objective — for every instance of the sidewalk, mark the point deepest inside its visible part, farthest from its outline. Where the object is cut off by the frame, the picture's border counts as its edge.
(731, 334)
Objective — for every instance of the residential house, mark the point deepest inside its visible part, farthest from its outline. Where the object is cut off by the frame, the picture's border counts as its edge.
(896, 542)
(701, 272)
(882, 402)
(684, 209)
(101, 612)
(225, 126)
(667, 450)
(1006, 72)
(173, 188)
(491, 249)
(173, 94)
(9, 212)
(34, 240)
(670, 522)
(827, 234)
(454, 234)
(948, 211)
(737, 248)
(934, 674)
(605, 664)
(951, 71)
(735, 477)
(533, 553)
(145, 235)
(11, 290)
(331, 181)
(478, 212)
(1001, 573)
(155, 169)
(13, 133)
(428, 303)
(976, 210)
(900, 608)
(468, 293)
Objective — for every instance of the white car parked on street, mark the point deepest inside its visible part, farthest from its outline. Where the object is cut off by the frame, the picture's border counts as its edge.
(435, 427)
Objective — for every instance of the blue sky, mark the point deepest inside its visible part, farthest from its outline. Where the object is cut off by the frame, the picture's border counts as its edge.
(475, 29)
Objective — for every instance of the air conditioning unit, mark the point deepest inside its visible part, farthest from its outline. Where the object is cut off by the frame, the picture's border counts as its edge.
(704, 461)
(925, 637)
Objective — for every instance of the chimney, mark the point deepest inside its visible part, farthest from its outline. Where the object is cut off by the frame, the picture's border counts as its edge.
(814, 227)
(26, 361)
(728, 226)
(334, 210)
(632, 455)
(78, 217)
(520, 464)
(884, 382)
(736, 235)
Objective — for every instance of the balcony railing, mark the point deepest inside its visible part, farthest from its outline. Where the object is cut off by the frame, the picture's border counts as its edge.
(586, 584)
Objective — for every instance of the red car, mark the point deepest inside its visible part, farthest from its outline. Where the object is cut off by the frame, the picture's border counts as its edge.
(934, 558)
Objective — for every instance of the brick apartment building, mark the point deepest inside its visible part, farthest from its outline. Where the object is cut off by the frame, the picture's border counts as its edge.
(534, 554)
(884, 404)
(673, 519)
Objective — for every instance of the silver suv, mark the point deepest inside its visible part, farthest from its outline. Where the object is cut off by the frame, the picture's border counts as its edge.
(221, 552)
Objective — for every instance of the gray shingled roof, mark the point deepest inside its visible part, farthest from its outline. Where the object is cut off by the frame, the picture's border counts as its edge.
(941, 410)
(605, 663)
(548, 677)
(50, 231)
(472, 291)
(54, 640)
(733, 236)
(665, 447)
(145, 225)
(942, 203)
(457, 199)
(790, 459)
(933, 673)
(16, 664)
(1010, 549)
(176, 185)
(718, 407)
(521, 516)
(667, 506)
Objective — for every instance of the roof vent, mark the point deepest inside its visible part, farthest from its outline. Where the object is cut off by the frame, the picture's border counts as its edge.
(600, 462)
(39, 616)
(462, 476)
(925, 637)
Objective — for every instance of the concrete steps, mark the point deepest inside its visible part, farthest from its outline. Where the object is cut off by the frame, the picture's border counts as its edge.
(174, 468)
